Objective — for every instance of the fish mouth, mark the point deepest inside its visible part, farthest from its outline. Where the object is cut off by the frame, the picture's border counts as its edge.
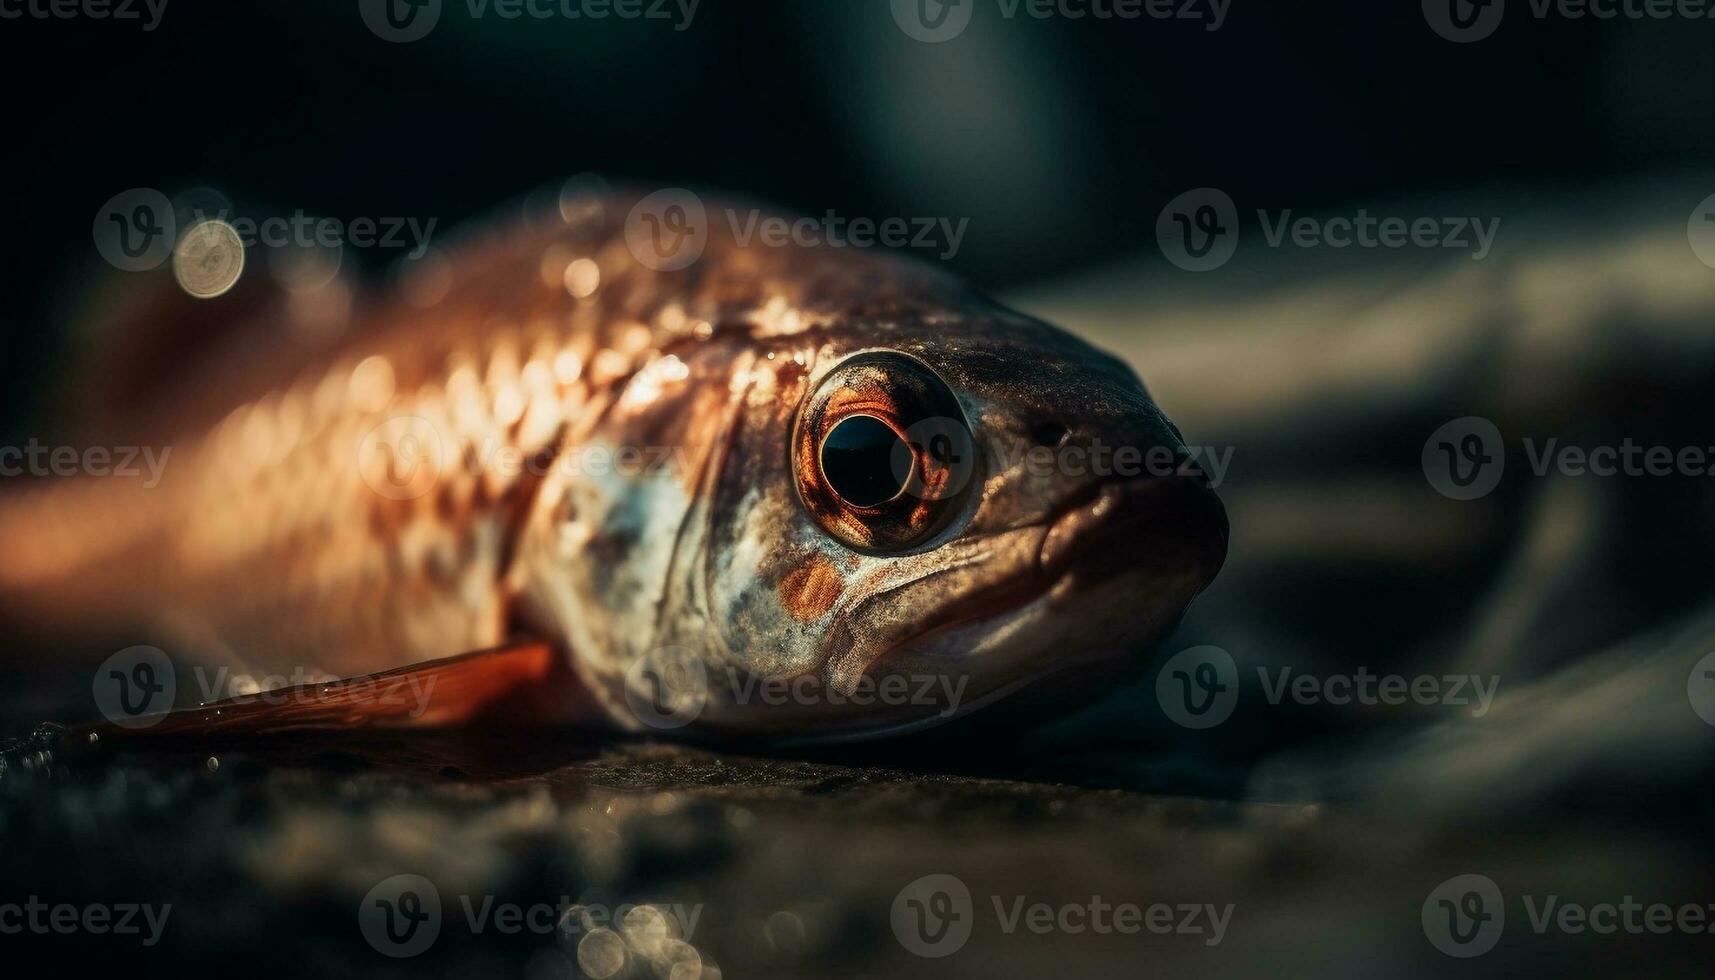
(1172, 527)
(1110, 568)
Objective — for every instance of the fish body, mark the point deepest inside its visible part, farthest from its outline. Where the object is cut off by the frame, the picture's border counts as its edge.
(738, 495)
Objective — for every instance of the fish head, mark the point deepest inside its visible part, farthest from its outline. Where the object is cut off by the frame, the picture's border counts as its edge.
(918, 515)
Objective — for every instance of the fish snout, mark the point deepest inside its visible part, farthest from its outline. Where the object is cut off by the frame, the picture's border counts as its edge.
(1165, 528)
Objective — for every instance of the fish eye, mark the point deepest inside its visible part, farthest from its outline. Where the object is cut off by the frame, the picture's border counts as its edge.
(882, 454)
(858, 461)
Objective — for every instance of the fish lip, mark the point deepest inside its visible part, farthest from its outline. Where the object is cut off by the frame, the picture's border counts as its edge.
(1177, 524)
(1074, 547)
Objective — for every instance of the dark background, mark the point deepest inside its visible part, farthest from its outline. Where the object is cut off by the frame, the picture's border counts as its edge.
(1059, 139)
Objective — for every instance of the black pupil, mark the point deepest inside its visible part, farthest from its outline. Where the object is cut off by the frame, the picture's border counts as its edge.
(858, 461)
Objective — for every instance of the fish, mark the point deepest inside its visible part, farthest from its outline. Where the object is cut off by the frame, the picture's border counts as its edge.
(561, 473)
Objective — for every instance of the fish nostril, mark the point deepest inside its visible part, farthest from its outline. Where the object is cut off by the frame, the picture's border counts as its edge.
(1050, 434)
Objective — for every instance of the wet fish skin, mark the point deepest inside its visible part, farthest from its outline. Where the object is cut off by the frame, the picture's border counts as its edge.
(293, 534)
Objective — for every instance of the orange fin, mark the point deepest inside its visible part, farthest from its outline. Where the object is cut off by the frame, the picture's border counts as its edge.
(526, 684)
